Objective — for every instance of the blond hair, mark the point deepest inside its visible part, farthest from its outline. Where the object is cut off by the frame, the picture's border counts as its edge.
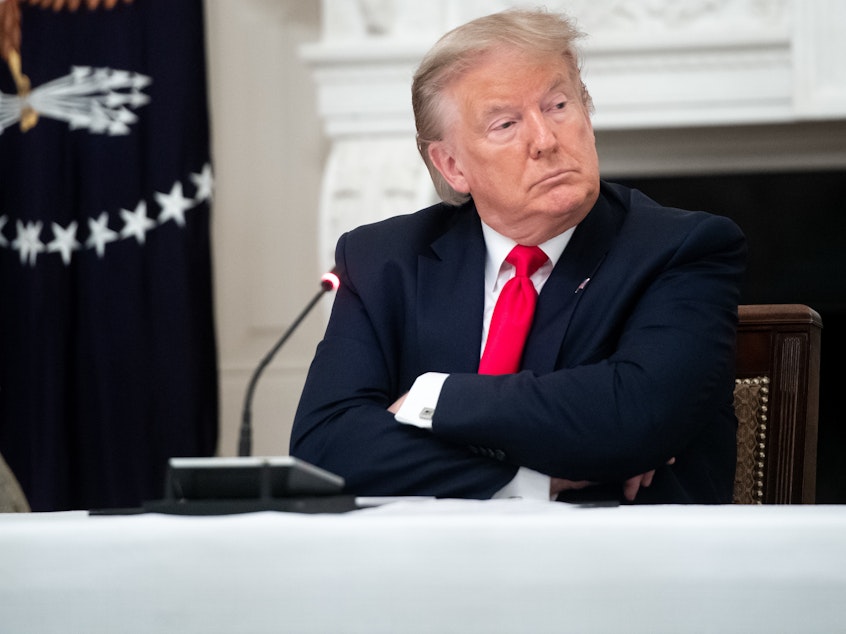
(534, 32)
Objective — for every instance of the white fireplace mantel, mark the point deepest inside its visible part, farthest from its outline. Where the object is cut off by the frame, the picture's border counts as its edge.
(677, 86)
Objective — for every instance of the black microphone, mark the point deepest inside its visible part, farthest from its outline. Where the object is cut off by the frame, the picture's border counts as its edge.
(329, 282)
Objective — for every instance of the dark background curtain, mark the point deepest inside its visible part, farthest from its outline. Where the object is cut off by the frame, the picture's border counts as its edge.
(107, 342)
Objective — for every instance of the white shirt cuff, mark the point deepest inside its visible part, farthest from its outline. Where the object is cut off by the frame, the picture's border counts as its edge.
(528, 484)
(418, 409)
(419, 405)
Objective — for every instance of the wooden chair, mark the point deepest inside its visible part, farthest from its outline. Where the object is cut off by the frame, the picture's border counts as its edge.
(776, 399)
(12, 499)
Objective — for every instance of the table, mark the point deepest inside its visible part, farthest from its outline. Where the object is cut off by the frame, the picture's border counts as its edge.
(429, 566)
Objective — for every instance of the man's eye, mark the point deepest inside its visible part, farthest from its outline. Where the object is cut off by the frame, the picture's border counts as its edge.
(559, 106)
(504, 125)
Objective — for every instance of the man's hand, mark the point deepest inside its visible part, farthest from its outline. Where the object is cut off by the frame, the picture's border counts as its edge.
(557, 485)
(630, 486)
(633, 484)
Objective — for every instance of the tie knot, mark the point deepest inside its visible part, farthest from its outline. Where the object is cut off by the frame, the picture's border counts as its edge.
(526, 260)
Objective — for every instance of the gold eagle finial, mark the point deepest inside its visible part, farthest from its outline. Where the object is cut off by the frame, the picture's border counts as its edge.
(10, 41)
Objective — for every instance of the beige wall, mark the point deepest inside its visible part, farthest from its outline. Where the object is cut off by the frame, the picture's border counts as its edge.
(268, 153)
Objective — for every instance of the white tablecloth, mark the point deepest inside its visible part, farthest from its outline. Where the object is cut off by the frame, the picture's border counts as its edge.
(431, 566)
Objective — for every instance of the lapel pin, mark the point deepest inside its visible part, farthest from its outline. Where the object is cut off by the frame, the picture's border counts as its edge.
(583, 284)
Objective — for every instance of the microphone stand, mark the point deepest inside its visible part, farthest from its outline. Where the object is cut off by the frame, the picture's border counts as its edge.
(329, 282)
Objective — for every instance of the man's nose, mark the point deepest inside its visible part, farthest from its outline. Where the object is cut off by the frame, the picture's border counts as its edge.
(542, 139)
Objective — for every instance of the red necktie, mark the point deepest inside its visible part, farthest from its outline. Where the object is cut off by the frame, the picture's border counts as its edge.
(513, 313)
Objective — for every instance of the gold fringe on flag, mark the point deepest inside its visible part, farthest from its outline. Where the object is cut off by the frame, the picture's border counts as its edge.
(10, 41)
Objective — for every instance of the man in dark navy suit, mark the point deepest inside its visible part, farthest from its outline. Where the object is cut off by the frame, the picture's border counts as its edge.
(623, 389)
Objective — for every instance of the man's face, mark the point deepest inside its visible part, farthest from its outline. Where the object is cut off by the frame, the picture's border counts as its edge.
(519, 140)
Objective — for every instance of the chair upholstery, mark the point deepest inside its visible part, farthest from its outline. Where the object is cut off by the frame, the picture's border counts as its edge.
(12, 498)
(776, 399)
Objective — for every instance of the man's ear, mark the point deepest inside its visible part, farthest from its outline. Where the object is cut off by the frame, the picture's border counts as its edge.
(444, 161)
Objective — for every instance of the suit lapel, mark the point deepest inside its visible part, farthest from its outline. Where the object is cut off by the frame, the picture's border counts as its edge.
(567, 285)
(451, 298)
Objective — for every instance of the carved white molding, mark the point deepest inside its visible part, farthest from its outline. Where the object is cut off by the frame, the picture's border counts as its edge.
(820, 59)
(369, 179)
(760, 66)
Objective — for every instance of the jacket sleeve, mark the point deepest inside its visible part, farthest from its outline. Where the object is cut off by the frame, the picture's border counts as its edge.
(663, 381)
(342, 423)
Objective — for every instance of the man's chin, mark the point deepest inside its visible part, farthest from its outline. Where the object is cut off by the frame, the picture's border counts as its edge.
(569, 209)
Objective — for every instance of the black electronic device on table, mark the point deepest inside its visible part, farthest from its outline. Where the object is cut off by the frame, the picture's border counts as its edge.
(220, 486)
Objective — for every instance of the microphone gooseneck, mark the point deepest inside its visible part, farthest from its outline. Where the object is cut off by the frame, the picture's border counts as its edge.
(328, 282)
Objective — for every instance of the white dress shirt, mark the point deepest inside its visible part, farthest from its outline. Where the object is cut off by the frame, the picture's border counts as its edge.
(421, 401)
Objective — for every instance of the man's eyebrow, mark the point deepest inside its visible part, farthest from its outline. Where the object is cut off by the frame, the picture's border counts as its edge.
(559, 81)
(495, 108)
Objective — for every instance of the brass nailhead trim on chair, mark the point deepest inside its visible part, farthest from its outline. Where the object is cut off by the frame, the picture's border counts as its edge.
(755, 471)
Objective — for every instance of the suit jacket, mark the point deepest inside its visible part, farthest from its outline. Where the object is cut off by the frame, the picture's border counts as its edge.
(630, 360)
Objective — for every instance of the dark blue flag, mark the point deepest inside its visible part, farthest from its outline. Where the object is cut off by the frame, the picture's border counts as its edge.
(107, 343)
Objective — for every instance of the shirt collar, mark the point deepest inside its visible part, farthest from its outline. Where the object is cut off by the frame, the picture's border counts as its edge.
(498, 247)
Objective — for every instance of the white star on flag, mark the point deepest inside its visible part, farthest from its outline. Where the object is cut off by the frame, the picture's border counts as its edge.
(137, 223)
(204, 182)
(28, 242)
(100, 234)
(174, 205)
(65, 241)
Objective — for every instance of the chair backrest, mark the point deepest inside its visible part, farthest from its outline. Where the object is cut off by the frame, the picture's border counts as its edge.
(12, 498)
(776, 398)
